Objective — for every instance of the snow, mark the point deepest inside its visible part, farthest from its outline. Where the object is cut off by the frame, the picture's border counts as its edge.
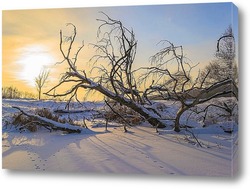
(139, 151)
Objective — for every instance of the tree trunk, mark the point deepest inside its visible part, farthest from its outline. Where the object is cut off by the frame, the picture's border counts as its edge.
(39, 94)
(177, 119)
(151, 117)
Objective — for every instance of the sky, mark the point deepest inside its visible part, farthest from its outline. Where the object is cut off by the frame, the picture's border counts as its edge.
(30, 38)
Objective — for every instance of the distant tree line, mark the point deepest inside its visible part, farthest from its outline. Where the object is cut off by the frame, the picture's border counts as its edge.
(13, 93)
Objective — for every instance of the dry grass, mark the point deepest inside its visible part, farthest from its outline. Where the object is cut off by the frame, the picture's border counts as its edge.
(127, 114)
(23, 122)
(44, 112)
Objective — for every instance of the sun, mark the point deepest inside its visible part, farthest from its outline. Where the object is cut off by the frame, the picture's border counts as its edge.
(33, 59)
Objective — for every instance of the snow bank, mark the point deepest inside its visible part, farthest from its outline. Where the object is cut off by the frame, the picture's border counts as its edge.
(139, 151)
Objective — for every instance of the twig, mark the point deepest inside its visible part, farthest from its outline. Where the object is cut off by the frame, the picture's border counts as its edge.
(194, 137)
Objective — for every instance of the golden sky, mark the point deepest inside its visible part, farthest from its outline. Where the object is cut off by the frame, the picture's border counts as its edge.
(31, 37)
(31, 43)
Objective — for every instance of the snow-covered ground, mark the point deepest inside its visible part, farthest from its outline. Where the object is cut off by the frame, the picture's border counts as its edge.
(140, 150)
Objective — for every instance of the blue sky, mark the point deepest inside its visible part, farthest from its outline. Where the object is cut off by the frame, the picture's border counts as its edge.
(194, 26)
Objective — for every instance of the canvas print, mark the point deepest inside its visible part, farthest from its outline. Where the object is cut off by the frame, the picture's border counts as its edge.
(121, 90)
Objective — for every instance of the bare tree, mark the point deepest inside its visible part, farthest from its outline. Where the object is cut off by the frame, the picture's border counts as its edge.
(117, 48)
(224, 65)
(41, 80)
(173, 72)
(169, 76)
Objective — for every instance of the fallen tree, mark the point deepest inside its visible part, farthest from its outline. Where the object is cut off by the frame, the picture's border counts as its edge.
(70, 111)
(49, 124)
(117, 48)
(169, 76)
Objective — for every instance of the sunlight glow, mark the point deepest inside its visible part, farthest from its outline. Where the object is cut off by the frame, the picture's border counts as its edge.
(33, 60)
